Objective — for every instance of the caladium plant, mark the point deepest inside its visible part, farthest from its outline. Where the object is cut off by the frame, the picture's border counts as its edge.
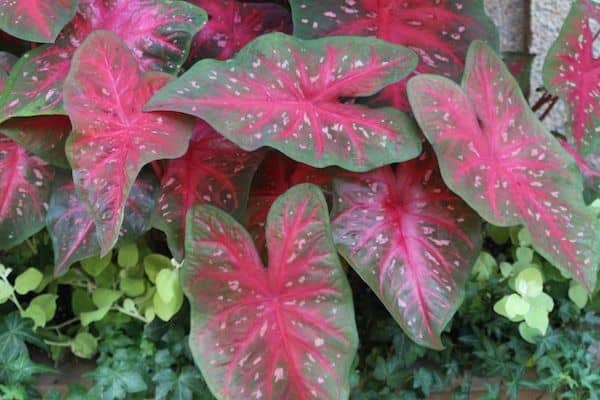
(284, 332)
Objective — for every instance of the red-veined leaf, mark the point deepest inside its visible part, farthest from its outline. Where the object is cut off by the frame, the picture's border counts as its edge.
(285, 93)
(112, 138)
(572, 72)
(497, 156)
(285, 332)
(36, 20)
(158, 32)
(411, 240)
(519, 65)
(213, 171)
(7, 60)
(25, 181)
(439, 31)
(72, 229)
(590, 169)
(232, 25)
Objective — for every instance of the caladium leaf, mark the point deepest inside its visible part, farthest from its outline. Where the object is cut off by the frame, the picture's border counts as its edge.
(112, 138)
(36, 20)
(497, 156)
(283, 92)
(275, 176)
(519, 65)
(411, 240)
(285, 332)
(232, 25)
(572, 72)
(158, 32)
(71, 226)
(439, 31)
(25, 181)
(213, 171)
(590, 169)
(7, 60)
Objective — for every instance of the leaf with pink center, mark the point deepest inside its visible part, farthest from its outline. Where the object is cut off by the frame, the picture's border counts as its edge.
(213, 171)
(112, 137)
(411, 240)
(72, 229)
(158, 32)
(572, 72)
(25, 181)
(232, 25)
(497, 156)
(286, 93)
(284, 332)
(439, 31)
(36, 20)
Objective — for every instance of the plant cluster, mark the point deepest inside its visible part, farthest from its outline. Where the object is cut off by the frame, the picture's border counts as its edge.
(264, 141)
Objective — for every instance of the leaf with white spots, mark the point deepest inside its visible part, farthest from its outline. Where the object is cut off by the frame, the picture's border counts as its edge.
(72, 229)
(572, 72)
(439, 31)
(213, 171)
(282, 332)
(411, 240)
(287, 93)
(495, 154)
(112, 137)
(36, 20)
(25, 181)
(158, 32)
(232, 25)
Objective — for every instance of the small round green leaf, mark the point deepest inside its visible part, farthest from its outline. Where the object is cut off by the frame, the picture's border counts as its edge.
(105, 297)
(133, 287)
(524, 254)
(528, 333)
(578, 294)
(153, 263)
(6, 291)
(516, 306)
(128, 255)
(28, 281)
(95, 265)
(529, 282)
(167, 284)
(36, 314)
(166, 310)
(84, 345)
(93, 316)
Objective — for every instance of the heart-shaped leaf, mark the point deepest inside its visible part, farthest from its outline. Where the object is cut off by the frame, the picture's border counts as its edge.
(572, 72)
(213, 171)
(285, 332)
(497, 156)
(411, 240)
(112, 138)
(439, 31)
(25, 181)
(286, 93)
(72, 229)
(36, 20)
(158, 32)
(232, 25)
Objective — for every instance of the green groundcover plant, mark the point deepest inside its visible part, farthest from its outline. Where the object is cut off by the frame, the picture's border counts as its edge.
(287, 152)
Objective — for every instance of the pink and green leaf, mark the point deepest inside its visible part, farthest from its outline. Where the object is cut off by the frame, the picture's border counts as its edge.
(36, 20)
(519, 65)
(411, 240)
(25, 181)
(72, 229)
(212, 171)
(232, 25)
(7, 60)
(158, 32)
(439, 31)
(497, 156)
(112, 137)
(286, 93)
(284, 332)
(572, 72)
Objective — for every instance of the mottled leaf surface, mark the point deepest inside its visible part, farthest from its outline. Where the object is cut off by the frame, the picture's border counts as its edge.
(25, 181)
(411, 240)
(158, 32)
(496, 155)
(572, 72)
(213, 171)
(439, 31)
(284, 332)
(233, 24)
(112, 138)
(36, 20)
(71, 226)
(285, 93)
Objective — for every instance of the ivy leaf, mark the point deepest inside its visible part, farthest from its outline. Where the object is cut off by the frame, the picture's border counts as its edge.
(411, 240)
(497, 156)
(21, 369)
(286, 93)
(285, 332)
(104, 94)
(117, 383)
(15, 332)
(187, 385)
